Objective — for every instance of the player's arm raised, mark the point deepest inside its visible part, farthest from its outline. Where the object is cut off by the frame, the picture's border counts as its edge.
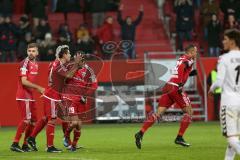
(29, 84)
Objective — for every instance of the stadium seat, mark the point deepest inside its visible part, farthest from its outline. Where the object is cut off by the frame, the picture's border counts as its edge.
(74, 20)
(55, 20)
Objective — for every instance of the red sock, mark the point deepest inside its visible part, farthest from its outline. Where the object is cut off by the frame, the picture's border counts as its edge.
(77, 134)
(50, 134)
(64, 126)
(186, 120)
(39, 126)
(20, 129)
(28, 132)
(149, 122)
(68, 132)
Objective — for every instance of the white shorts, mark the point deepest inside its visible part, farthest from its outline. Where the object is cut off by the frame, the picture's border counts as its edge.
(230, 120)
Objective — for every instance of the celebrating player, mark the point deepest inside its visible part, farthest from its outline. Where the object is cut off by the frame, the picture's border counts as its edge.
(58, 73)
(180, 75)
(84, 79)
(28, 72)
(228, 80)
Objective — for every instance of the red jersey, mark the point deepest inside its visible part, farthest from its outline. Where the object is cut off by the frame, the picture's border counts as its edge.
(85, 80)
(55, 80)
(27, 69)
(182, 70)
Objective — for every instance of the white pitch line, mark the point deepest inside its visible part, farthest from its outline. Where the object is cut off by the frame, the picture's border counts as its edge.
(39, 157)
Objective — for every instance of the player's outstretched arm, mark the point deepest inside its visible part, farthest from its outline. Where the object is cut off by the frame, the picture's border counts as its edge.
(29, 84)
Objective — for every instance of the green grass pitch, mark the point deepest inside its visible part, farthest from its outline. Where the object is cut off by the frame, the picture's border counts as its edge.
(116, 142)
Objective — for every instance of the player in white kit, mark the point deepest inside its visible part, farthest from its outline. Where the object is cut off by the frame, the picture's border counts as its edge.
(228, 79)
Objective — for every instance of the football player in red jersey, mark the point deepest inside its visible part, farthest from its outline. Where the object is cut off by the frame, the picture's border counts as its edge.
(28, 72)
(58, 73)
(181, 72)
(84, 79)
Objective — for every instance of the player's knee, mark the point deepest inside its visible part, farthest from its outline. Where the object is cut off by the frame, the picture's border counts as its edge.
(74, 123)
(188, 110)
(52, 120)
(27, 121)
(79, 125)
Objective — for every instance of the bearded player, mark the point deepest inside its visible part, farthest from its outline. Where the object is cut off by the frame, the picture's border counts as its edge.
(85, 80)
(58, 73)
(181, 72)
(28, 72)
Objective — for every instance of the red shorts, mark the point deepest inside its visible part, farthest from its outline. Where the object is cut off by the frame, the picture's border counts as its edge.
(50, 108)
(168, 99)
(28, 110)
(76, 108)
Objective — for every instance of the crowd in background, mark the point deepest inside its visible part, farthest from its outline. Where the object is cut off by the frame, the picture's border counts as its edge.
(215, 17)
(33, 27)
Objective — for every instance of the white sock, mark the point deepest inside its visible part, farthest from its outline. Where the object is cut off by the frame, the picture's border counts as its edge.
(234, 143)
(230, 153)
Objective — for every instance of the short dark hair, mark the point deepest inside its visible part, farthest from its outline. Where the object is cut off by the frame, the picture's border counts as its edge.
(190, 46)
(32, 45)
(233, 34)
(63, 51)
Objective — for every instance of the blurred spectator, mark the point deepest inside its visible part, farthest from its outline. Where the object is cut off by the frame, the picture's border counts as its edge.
(208, 8)
(22, 46)
(54, 5)
(97, 8)
(82, 32)
(64, 33)
(42, 29)
(184, 21)
(128, 28)
(47, 48)
(8, 40)
(105, 34)
(24, 26)
(86, 44)
(214, 29)
(230, 7)
(37, 10)
(6, 7)
(66, 6)
(197, 3)
(231, 23)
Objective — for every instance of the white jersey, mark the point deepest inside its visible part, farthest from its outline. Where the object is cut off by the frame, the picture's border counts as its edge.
(228, 78)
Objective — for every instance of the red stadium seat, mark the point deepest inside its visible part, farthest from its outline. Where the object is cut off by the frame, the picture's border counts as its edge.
(74, 20)
(55, 20)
